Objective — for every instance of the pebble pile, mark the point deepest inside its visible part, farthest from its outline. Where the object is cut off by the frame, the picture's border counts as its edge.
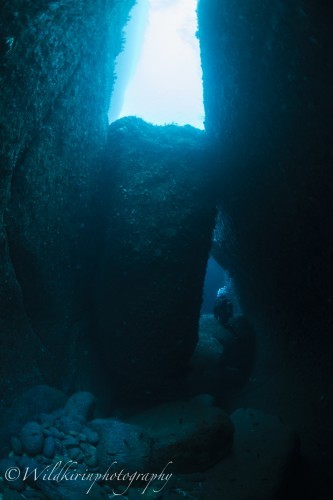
(62, 435)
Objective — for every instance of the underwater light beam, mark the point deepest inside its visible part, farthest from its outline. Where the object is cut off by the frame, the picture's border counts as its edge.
(166, 84)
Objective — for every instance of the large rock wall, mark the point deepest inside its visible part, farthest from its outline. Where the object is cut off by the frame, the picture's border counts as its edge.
(160, 211)
(57, 71)
(268, 78)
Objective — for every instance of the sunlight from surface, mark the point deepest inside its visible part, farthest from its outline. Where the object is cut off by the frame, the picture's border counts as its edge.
(166, 86)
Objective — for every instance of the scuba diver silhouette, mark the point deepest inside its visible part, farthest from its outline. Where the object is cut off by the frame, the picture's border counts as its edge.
(223, 308)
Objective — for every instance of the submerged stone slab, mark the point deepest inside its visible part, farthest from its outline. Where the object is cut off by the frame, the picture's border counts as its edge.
(190, 436)
(160, 213)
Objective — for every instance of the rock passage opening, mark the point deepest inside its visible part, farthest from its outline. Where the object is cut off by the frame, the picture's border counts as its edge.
(159, 75)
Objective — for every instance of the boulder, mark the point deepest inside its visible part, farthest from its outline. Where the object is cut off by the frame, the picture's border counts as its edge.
(223, 358)
(32, 439)
(14, 482)
(37, 399)
(239, 350)
(205, 367)
(16, 445)
(81, 403)
(120, 442)
(193, 435)
(49, 447)
(26, 407)
(160, 213)
(68, 424)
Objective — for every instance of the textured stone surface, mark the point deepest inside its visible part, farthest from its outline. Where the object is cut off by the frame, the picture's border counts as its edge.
(17, 483)
(259, 463)
(126, 444)
(37, 400)
(81, 404)
(68, 490)
(205, 367)
(57, 442)
(160, 214)
(223, 359)
(239, 351)
(57, 61)
(268, 102)
(31, 437)
(49, 447)
(268, 78)
(193, 435)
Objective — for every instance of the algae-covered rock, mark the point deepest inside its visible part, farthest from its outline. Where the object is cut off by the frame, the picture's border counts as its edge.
(160, 213)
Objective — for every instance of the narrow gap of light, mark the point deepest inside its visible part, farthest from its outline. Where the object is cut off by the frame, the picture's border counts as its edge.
(166, 84)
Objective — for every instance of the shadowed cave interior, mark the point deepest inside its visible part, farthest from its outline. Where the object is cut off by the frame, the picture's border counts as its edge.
(114, 239)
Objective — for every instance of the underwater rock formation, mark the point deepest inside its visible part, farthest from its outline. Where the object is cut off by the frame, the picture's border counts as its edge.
(53, 443)
(267, 70)
(177, 437)
(205, 371)
(160, 215)
(223, 359)
(193, 435)
(268, 78)
(267, 89)
(128, 444)
(57, 62)
(24, 408)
